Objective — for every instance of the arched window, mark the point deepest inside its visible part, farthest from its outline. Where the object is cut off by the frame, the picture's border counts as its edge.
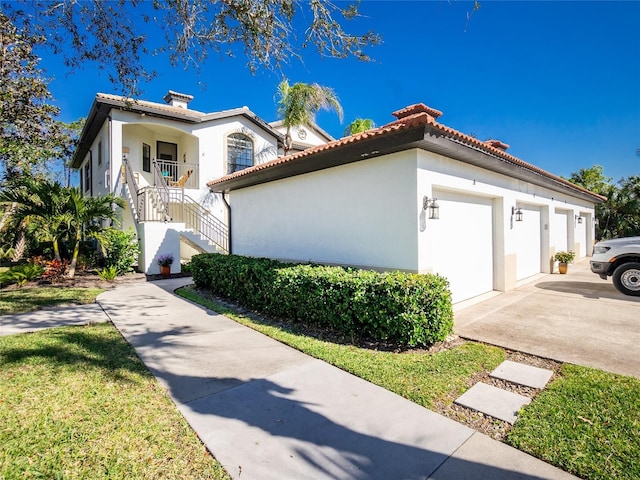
(239, 152)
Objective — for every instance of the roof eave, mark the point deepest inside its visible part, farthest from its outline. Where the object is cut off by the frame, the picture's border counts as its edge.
(427, 137)
(99, 112)
(137, 107)
(332, 157)
(439, 142)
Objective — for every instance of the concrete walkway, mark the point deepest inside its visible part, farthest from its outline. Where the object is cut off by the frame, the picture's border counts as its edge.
(50, 318)
(266, 411)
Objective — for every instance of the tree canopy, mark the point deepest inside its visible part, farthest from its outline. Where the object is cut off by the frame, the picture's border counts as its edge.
(619, 215)
(359, 125)
(29, 133)
(113, 36)
(270, 32)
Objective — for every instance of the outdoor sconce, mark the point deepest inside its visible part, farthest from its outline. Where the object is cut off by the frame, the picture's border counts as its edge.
(517, 212)
(578, 219)
(432, 207)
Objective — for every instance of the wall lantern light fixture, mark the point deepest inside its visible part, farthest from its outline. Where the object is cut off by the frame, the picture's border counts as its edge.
(578, 219)
(431, 206)
(517, 212)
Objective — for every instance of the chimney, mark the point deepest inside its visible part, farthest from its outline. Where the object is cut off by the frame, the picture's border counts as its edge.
(497, 144)
(175, 99)
(415, 109)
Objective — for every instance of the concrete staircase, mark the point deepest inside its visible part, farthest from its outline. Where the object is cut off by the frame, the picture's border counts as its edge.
(199, 242)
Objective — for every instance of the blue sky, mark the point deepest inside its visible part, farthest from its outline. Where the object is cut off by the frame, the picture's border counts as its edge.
(558, 81)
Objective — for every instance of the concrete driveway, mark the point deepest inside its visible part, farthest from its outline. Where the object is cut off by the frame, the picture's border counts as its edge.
(576, 318)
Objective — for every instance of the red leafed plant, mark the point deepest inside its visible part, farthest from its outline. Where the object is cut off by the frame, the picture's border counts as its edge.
(55, 270)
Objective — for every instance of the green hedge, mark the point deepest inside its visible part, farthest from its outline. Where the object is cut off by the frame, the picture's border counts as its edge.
(405, 308)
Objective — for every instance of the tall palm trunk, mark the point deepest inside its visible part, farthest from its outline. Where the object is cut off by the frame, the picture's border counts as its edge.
(76, 252)
(56, 250)
(7, 214)
(20, 245)
(288, 141)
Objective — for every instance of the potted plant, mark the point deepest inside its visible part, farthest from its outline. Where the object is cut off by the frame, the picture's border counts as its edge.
(165, 262)
(563, 259)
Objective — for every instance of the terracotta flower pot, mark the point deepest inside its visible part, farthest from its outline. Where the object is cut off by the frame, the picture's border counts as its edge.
(165, 270)
(562, 267)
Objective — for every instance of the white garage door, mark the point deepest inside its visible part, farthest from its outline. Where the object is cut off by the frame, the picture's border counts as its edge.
(463, 246)
(559, 230)
(528, 243)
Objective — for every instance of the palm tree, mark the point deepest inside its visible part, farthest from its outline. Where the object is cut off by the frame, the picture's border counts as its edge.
(54, 212)
(37, 204)
(359, 125)
(84, 212)
(299, 103)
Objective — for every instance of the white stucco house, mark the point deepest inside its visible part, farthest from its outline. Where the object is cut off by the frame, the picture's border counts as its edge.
(413, 195)
(160, 156)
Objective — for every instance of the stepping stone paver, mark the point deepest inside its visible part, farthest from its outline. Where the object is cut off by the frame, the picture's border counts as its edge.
(493, 401)
(522, 374)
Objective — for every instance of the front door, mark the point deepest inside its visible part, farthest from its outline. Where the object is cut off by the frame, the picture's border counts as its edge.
(168, 159)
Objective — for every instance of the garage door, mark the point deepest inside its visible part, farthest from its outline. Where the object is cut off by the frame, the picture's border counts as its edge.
(528, 240)
(463, 244)
(559, 230)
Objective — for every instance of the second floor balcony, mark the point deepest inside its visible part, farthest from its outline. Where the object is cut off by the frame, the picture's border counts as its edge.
(179, 174)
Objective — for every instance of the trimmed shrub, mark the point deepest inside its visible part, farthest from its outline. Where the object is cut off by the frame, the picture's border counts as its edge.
(120, 249)
(408, 309)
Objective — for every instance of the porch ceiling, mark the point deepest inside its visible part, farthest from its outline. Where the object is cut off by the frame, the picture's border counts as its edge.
(161, 129)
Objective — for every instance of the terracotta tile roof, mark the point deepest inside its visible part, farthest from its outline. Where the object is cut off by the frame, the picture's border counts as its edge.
(159, 107)
(497, 144)
(416, 108)
(413, 116)
(376, 132)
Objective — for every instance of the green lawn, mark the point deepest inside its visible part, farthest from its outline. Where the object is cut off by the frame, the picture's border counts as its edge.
(77, 403)
(586, 422)
(28, 299)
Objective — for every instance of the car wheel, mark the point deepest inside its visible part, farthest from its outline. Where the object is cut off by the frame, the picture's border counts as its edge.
(626, 278)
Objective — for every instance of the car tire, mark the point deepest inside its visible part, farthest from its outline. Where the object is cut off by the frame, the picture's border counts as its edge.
(626, 278)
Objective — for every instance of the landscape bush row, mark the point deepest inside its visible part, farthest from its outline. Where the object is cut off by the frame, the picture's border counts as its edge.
(404, 308)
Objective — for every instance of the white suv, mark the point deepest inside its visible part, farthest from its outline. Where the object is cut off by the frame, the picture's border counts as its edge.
(619, 258)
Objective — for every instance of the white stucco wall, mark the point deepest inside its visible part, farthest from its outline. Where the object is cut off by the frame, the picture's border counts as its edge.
(370, 214)
(361, 214)
(100, 174)
(158, 239)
